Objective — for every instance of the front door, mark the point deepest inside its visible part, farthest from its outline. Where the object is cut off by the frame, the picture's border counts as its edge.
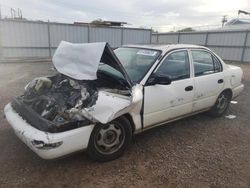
(166, 102)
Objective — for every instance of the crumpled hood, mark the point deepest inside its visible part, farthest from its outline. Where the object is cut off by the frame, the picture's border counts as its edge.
(81, 60)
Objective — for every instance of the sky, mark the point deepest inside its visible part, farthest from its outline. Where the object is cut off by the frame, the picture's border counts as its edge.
(161, 15)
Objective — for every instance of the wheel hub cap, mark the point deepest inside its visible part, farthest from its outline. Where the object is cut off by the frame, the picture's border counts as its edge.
(221, 102)
(109, 139)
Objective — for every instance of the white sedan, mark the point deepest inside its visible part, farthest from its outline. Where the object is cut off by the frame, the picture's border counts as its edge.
(99, 98)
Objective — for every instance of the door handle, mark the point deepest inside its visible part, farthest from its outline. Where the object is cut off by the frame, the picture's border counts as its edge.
(189, 88)
(220, 81)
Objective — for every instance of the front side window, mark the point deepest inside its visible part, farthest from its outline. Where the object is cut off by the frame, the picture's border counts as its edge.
(176, 66)
(204, 63)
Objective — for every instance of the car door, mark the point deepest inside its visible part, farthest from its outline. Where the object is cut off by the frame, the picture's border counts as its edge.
(208, 78)
(166, 102)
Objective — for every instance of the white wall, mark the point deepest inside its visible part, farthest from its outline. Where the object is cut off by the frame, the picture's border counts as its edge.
(233, 45)
(29, 39)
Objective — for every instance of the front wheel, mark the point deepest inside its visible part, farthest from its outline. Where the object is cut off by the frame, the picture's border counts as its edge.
(108, 141)
(221, 105)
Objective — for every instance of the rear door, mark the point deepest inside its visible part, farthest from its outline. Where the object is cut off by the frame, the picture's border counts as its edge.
(166, 102)
(208, 78)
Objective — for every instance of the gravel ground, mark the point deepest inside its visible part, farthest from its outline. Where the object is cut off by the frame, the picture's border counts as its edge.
(198, 151)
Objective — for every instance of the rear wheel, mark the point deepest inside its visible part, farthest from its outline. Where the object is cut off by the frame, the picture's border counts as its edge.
(108, 141)
(221, 105)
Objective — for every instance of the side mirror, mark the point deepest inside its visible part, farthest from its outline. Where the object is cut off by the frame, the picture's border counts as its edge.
(159, 79)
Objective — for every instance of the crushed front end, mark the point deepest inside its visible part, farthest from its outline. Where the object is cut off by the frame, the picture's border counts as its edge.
(56, 114)
(53, 116)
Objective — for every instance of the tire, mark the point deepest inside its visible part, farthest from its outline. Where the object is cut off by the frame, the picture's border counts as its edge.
(221, 105)
(109, 141)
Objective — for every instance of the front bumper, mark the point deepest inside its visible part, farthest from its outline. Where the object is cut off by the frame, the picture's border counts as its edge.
(60, 144)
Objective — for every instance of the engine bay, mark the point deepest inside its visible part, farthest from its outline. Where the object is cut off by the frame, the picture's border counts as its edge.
(58, 99)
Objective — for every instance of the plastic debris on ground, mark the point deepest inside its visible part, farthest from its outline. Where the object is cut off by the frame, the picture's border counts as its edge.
(230, 116)
(234, 102)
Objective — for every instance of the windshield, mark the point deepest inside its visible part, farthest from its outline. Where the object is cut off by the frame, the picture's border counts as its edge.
(136, 61)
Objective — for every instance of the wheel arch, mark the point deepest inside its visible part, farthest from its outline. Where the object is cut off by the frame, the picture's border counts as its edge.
(131, 121)
(229, 92)
(129, 118)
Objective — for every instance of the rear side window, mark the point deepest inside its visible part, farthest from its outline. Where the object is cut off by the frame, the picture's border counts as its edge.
(217, 65)
(176, 66)
(205, 63)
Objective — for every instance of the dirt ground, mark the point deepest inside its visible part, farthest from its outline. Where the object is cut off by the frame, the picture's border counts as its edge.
(198, 151)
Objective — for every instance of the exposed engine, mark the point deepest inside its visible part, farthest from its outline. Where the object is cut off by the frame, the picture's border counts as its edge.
(52, 97)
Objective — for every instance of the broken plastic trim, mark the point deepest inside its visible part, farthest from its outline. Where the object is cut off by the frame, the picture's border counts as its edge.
(46, 146)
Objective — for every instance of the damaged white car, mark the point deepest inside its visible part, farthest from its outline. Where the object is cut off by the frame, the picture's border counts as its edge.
(99, 98)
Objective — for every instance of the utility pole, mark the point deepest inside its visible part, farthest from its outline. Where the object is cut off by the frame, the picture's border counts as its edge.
(16, 13)
(13, 13)
(19, 12)
(224, 20)
(0, 13)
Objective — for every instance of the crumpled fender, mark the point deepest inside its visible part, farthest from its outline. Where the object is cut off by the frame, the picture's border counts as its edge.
(110, 106)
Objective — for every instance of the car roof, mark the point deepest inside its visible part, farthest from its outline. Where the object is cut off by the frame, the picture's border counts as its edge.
(165, 47)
